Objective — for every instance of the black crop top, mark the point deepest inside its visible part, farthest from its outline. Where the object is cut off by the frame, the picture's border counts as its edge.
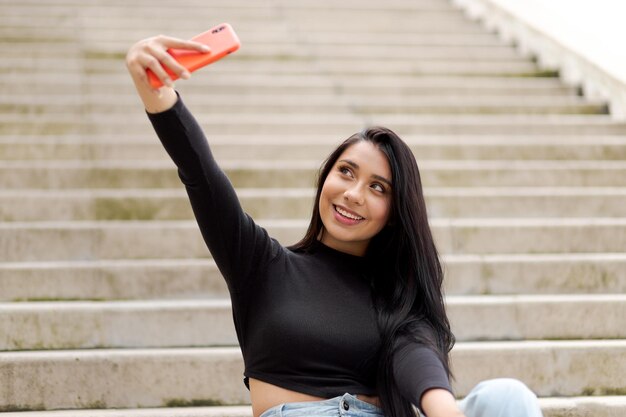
(304, 320)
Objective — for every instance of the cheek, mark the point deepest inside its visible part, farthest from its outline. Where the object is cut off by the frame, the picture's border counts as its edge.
(325, 196)
(330, 188)
(381, 211)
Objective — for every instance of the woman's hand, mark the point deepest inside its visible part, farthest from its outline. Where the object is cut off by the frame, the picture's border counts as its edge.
(153, 53)
(440, 403)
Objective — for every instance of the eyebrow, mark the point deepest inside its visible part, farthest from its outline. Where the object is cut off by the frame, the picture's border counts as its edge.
(356, 166)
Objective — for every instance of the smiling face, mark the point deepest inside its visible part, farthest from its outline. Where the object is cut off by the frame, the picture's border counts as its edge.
(355, 201)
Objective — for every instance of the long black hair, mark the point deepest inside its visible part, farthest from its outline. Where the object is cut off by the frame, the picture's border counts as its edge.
(407, 276)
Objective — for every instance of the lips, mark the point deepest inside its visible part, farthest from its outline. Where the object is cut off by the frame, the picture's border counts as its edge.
(347, 214)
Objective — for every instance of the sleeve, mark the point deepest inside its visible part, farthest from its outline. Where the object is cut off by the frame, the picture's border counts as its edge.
(417, 369)
(238, 245)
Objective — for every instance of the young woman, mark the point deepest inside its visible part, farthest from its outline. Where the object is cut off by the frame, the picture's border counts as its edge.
(349, 321)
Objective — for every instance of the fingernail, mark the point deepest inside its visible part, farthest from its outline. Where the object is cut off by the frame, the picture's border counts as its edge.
(168, 82)
(185, 75)
(205, 48)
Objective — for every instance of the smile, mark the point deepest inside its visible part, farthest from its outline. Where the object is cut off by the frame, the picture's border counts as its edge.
(347, 214)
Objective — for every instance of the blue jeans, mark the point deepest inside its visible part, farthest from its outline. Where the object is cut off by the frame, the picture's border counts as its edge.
(502, 397)
(345, 405)
(492, 398)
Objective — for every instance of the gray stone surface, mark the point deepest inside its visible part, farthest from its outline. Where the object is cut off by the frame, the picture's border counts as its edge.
(178, 323)
(109, 297)
(65, 379)
(94, 240)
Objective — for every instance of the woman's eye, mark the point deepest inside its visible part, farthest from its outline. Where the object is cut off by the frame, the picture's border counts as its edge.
(345, 171)
(378, 187)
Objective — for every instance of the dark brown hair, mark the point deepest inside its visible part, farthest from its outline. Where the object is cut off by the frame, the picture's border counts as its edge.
(407, 275)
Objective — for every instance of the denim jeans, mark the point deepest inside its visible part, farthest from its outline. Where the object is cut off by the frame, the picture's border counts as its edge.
(504, 397)
(492, 398)
(345, 405)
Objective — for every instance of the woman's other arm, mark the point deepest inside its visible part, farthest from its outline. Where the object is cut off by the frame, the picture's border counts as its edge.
(422, 379)
(440, 403)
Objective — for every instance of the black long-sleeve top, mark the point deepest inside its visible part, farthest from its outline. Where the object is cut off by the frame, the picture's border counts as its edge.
(305, 321)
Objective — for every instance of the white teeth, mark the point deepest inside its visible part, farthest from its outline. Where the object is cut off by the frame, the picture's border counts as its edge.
(348, 215)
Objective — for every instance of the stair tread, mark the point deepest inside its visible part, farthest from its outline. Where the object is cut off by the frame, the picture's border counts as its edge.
(602, 406)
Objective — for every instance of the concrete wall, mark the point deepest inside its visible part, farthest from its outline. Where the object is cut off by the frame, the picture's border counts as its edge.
(584, 39)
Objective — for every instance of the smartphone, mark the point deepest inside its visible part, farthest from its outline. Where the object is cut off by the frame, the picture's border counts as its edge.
(222, 40)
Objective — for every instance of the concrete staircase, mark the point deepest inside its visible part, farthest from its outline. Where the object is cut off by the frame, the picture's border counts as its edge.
(110, 304)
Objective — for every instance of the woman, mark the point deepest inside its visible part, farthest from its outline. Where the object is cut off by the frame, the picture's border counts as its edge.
(350, 320)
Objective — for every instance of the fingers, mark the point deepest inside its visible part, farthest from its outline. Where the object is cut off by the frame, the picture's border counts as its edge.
(177, 43)
(169, 61)
(152, 53)
(156, 58)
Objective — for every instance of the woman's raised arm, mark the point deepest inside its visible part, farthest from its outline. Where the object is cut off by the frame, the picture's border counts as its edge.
(152, 53)
(238, 245)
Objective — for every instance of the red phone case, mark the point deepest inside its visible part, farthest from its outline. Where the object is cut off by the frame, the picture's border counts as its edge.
(222, 40)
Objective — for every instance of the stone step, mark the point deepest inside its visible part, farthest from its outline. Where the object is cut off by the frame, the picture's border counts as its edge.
(292, 21)
(296, 203)
(400, 86)
(237, 4)
(182, 410)
(549, 368)
(301, 173)
(285, 50)
(341, 125)
(305, 66)
(365, 84)
(289, 93)
(65, 379)
(284, 61)
(599, 406)
(125, 378)
(293, 64)
(524, 317)
(35, 241)
(245, 8)
(127, 324)
(318, 147)
(123, 101)
(42, 86)
(246, 11)
(261, 18)
(13, 38)
(184, 323)
(119, 39)
(109, 41)
(373, 83)
(114, 279)
(319, 103)
(567, 273)
(347, 67)
(582, 273)
(327, 52)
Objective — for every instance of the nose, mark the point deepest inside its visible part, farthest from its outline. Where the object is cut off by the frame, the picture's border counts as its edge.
(354, 195)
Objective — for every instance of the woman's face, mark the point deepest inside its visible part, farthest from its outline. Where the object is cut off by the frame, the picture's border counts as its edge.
(355, 201)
